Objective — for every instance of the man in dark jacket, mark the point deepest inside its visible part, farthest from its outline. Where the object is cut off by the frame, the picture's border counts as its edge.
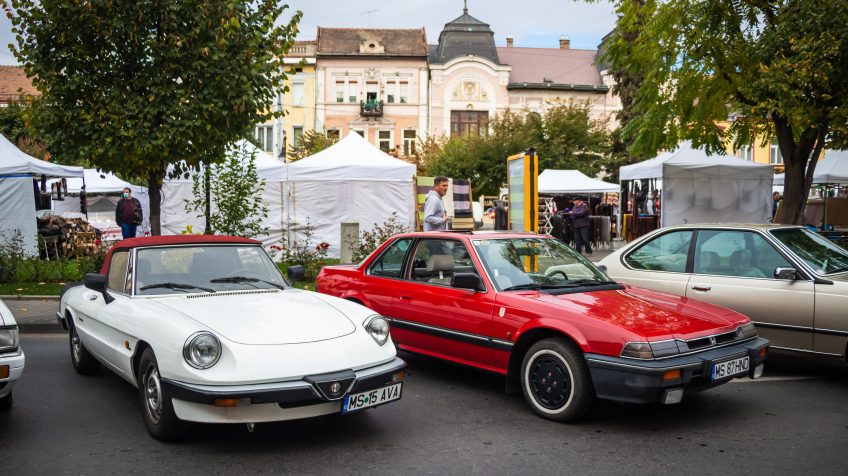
(128, 214)
(580, 216)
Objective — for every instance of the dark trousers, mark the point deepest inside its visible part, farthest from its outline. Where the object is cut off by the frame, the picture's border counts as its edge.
(128, 230)
(581, 239)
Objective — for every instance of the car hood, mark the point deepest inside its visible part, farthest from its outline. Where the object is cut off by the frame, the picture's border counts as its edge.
(265, 317)
(651, 314)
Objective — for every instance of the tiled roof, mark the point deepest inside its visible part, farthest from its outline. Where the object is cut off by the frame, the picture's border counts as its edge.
(12, 81)
(551, 65)
(359, 41)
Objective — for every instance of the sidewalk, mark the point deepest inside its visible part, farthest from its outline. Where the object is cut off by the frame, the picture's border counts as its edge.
(34, 314)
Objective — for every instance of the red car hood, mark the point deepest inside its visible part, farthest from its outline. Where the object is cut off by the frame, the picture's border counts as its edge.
(653, 315)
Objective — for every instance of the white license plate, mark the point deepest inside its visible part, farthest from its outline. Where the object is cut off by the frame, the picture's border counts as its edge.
(729, 368)
(358, 401)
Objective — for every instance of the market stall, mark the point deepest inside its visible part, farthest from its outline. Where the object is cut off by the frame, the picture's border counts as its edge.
(21, 177)
(557, 186)
(830, 211)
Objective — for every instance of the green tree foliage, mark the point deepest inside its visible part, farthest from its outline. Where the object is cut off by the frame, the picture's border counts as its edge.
(778, 65)
(132, 86)
(566, 137)
(311, 142)
(13, 127)
(235, 190)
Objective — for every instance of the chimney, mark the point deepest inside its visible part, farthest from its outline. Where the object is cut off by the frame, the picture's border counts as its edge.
(564, 43)
(509, 40)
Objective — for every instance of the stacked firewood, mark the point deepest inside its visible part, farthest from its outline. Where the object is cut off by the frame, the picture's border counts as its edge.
(72, 236)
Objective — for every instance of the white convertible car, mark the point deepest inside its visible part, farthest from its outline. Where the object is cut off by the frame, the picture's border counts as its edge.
(208, 331)
(11, 356)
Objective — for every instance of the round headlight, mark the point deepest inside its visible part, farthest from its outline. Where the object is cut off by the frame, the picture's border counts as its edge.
(202, 350)
(378, 329)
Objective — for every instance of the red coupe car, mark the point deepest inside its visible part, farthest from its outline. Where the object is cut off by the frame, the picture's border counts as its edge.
(531, 308)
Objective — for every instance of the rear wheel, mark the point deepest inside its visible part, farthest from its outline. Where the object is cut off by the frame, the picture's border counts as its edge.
(84, 362)
(555, 380)
(6, 403)
(156, 405)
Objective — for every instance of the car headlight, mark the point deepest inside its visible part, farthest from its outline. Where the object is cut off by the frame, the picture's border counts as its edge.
(378, 328)
(637, 350)
(8, 338)
(202, 350)
(746, 331)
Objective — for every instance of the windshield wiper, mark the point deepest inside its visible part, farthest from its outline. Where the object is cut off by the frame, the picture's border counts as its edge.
(590, 282)
(179, 286)
(534, 286)
(245, 280)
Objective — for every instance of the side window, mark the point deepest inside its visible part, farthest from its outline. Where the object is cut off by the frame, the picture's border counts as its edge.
(435, 261)
(667, 252)
(389, 263)
(735, 253)
(118, 271)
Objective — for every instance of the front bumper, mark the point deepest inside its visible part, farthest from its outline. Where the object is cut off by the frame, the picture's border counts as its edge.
(61, 319)
(275, 401)
(642, 381)
(15, 362)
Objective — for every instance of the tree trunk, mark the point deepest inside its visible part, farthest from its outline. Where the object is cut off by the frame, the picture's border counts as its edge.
(154, 190)
(800, 159)
(208, 206)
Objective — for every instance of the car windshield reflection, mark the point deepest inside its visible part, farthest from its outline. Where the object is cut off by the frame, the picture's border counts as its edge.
(536, 264)
(191, 269)
(818, 252)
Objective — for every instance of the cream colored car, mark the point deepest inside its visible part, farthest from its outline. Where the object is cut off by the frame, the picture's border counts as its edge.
(792, 282)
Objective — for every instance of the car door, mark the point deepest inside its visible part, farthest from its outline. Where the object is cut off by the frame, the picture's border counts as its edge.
(106, 322)
(431, 317)
(383, 275)
(660, 263)
(736, 269)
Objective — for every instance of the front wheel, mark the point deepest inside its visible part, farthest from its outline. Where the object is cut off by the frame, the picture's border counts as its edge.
(84, 362)
(6, 403)
(156, 406)
(555, 380)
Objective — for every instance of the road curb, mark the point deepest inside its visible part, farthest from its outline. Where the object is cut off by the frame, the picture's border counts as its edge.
(25, 297)
(25, 328)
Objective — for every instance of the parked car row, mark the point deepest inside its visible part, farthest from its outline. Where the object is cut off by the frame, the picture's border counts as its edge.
(209, 331)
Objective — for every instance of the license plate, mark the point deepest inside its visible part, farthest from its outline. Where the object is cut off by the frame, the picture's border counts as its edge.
(358, 401)
(729, 368)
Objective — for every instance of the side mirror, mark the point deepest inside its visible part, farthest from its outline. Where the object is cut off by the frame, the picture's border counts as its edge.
(467, 281)
(790, 274)
(295, 273)
(98, 282)
(602, 267)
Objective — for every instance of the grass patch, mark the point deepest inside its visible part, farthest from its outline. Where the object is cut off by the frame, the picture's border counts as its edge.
(31, 289)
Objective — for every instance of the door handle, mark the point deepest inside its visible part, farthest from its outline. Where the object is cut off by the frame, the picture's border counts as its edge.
(405, 298)
(701, 287)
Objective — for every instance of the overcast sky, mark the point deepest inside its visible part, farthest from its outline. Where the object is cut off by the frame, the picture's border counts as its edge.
(537, 23)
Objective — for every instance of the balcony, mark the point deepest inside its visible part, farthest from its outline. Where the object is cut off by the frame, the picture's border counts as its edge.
(371, 108)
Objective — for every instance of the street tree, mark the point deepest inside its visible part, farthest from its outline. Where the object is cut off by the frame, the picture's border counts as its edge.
(311, 142)
(132, 86)
(776, 68)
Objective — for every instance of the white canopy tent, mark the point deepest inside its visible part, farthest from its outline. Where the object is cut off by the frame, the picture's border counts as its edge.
(17, 195)
(100, 206)
(698, 188)
(573, 181)
(174, 218)
(351, 181)
(832, 169)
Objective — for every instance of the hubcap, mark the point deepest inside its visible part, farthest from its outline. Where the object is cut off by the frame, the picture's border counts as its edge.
(549, 382)
(76, 347)
(153, 394)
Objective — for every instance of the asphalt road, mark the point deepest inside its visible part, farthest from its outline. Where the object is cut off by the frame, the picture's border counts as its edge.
(451, 420)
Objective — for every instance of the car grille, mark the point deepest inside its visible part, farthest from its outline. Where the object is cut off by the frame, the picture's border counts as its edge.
(231, 293)
(676, 347)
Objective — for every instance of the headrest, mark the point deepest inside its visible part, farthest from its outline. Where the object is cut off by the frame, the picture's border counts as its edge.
(709, 259)
(741, 259)
(204, 263)
(440, 263)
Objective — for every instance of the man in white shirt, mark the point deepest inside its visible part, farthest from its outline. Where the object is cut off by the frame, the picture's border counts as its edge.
(435, 216)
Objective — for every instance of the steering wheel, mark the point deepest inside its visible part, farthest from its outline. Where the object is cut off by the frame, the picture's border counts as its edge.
(558, 272)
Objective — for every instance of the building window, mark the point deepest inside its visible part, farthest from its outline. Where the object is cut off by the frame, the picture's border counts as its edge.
(265, 137)
(353, 91)
(391, 92)
(340, 91)
(360, 132)
(409, 139)
(297, 135)
(333, 133)
(372, 91)
(384, 140)
(469, 122)
(746, 153)
(298, 94)
(404, 92)
(775, 158)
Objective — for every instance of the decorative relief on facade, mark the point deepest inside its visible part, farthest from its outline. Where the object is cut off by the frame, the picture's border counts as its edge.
(371, 73)
(469, 91)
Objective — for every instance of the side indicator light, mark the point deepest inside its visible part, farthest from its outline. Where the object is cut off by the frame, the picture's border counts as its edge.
(4, 371)
(226, 402)
(763, 352)
(671, 374)
(398, 376)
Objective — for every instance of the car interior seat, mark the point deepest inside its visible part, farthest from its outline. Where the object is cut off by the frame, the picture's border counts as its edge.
(742, 262)
(205, 264)
(709, 263)
(443, 265)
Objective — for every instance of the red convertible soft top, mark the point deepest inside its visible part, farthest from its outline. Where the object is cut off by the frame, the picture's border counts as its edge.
(130, 243)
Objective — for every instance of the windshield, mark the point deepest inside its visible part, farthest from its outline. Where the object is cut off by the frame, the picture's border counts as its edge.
(204, 268)
(536, 263)
(815, 250)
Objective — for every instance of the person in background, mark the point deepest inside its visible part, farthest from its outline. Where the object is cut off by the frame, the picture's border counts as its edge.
(435, 216)
(580, 217)
(776, 199)
(128, 214)
(652, 205)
